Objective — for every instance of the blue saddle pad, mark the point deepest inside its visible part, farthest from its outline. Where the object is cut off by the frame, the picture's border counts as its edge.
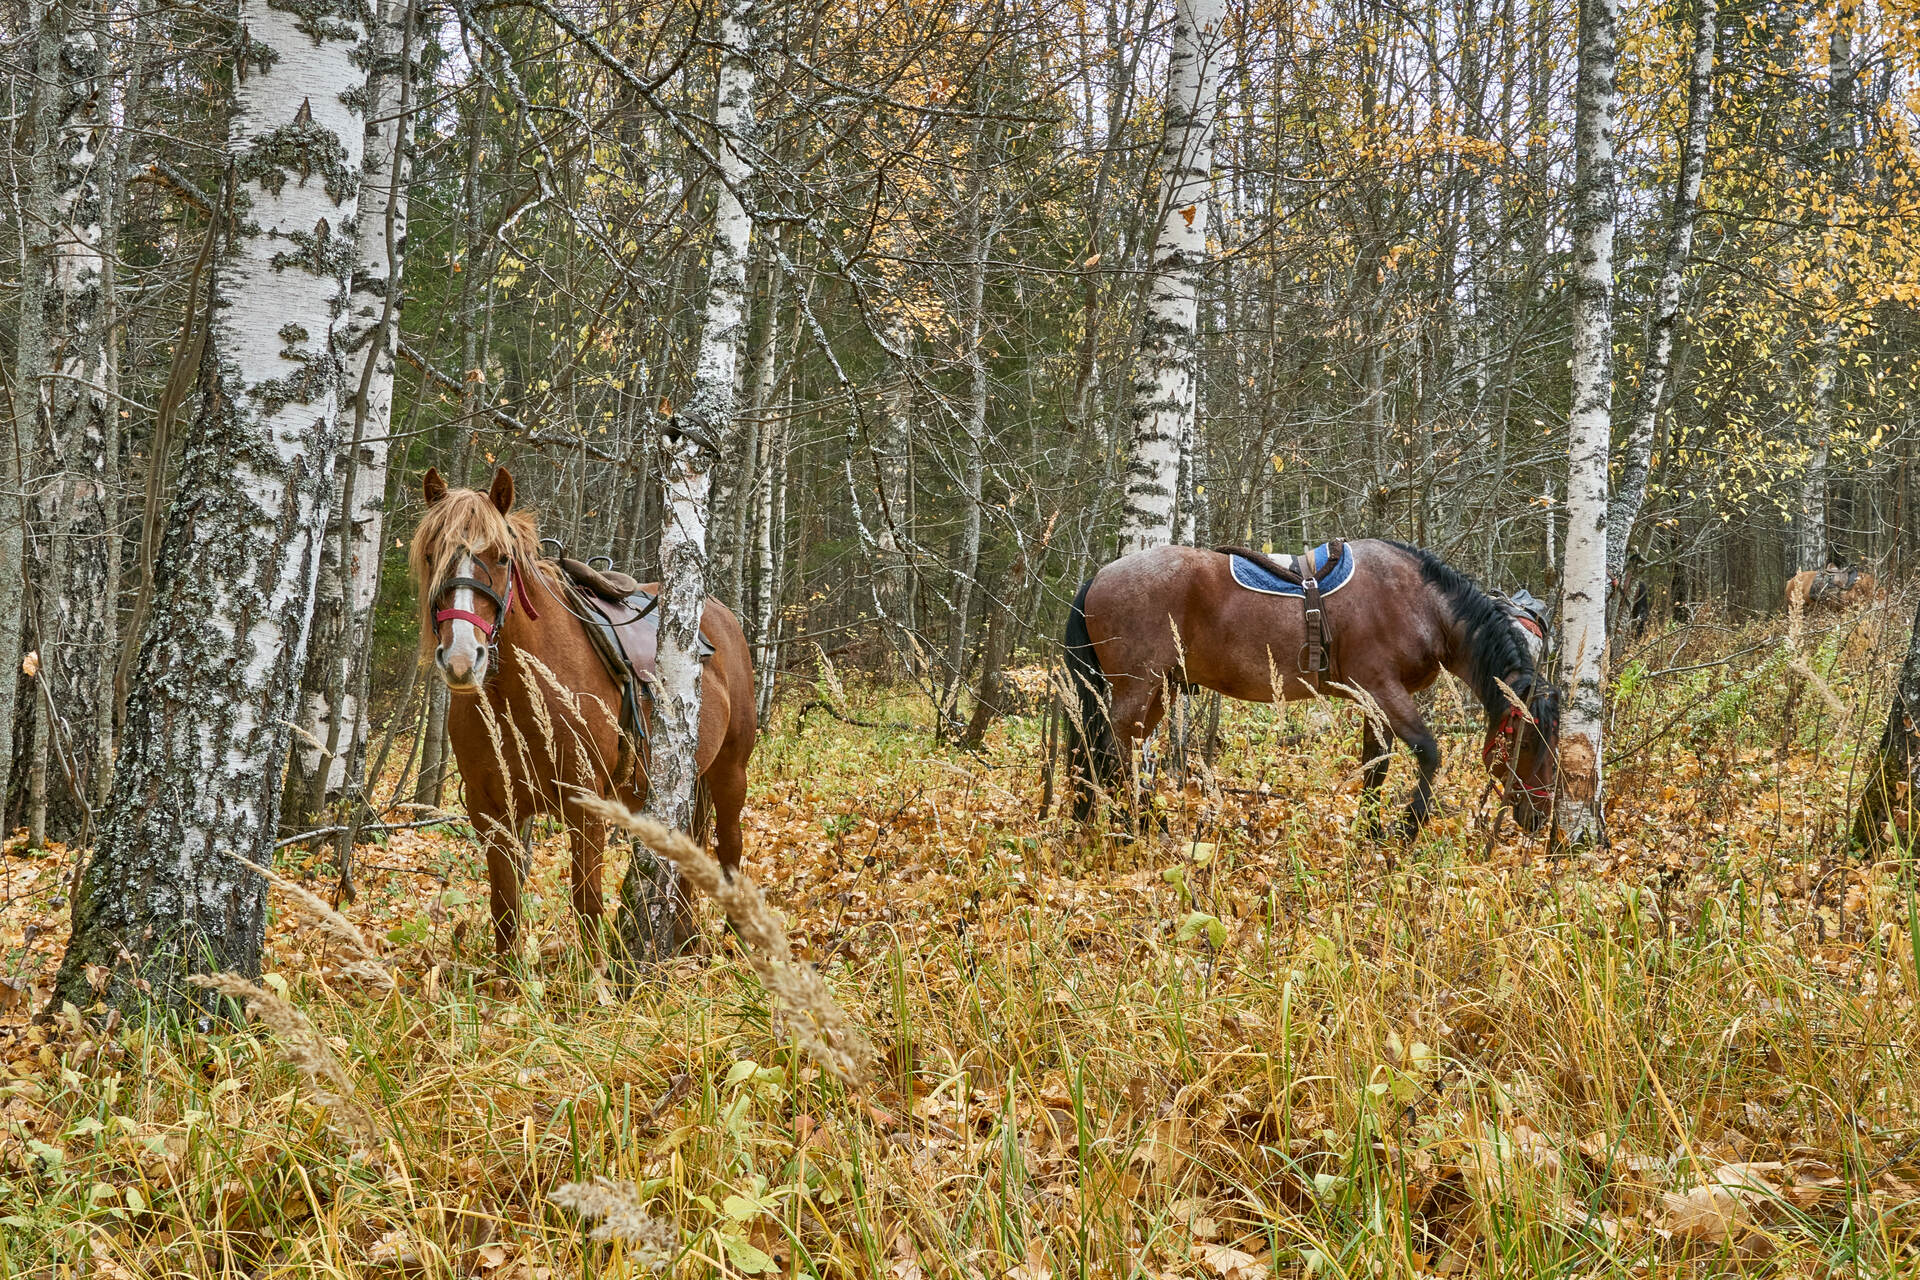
(1332, 577)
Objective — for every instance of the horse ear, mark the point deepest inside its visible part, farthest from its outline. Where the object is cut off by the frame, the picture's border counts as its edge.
(433, 486)
(502, 491)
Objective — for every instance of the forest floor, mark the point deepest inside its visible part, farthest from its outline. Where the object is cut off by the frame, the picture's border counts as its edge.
(1255, 1045)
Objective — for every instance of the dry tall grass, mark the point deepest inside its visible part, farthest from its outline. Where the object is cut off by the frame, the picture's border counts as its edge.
(1251, 1046)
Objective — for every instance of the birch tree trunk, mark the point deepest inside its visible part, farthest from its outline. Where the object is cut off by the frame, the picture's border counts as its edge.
(476, 268)
(1813, 543)
(217, 681)
(1166, 375)
(896, 451)
(1584, 565)
(739, 513)
(333, 712)
(31, 355)
(980, 232)
(63, 376)
(652, 896)
(1636, 465)
(730, 472)
(771, 523)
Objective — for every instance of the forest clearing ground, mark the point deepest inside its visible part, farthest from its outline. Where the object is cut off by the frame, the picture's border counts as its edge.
(1253, 1045)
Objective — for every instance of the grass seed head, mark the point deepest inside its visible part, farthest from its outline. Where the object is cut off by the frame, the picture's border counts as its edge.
(617, 1207)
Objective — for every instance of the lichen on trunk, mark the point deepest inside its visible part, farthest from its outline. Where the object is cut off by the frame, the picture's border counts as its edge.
(197, 787)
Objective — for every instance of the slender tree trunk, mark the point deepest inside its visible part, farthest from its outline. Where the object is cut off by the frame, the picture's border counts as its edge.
(474, 287)
(772, 523)
(1635, 466)
(48, 105)
(368, 335)
(730, 470)
(1814, 543)
(980, 233)
(74, 496)
(1584, 572)
(1166, 375)
(896, 451)
(1126, 59)
(762, 364)
(651, 894)
(198, 785)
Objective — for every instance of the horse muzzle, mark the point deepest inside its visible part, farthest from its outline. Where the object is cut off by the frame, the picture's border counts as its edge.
(462, 670)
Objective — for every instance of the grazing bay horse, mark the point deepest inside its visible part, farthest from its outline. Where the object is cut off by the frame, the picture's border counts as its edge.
(1177, 615)
(534, 716)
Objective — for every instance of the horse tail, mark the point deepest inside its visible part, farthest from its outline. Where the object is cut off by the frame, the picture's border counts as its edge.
(1093, 755)
(702, 825)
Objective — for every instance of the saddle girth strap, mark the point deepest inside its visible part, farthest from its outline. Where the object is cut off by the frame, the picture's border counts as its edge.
(1313, 654)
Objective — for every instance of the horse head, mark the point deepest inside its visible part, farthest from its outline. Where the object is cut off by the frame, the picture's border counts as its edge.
(470, 559)
(1521, 751)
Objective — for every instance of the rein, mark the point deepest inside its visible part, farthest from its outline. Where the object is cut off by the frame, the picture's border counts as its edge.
(516, 590)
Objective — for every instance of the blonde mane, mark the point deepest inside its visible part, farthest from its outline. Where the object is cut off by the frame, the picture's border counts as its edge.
(466, 521)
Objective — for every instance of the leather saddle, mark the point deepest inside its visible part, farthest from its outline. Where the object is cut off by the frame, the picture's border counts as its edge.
(623, 622)
(1314, 660)
(1833, 581)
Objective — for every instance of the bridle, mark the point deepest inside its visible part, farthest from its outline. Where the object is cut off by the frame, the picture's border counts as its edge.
(516, 590)
(1498, 748)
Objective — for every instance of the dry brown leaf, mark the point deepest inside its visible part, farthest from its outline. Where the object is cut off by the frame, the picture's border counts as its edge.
(1036, 1266)
(1229, 1263)
(1709, 1212)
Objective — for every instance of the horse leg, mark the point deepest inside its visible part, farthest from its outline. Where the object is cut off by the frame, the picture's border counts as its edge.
(727, 784)
(1137, 711)
(1376, 757)
(504, 865)
(588, 836)
(1403, 715)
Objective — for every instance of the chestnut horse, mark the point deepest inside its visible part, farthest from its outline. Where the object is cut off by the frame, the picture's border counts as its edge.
(1836, 588)
(1175, 615)
(534, 717)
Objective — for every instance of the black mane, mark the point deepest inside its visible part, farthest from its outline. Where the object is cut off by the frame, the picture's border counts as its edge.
(1493, 646)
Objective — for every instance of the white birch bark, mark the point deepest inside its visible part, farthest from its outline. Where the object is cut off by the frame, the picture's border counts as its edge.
(41, 109)
(368, 340)
(771, 525)
(689, 449)
(738, 504)
(1584, 575)
(63, 376)
(1636, 465)
(980, 233)
(1166, 375)
(1814, 545)
(896, 447)
(217, 680)
(762, 377)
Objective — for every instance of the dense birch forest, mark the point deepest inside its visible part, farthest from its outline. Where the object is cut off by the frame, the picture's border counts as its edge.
(358, 355)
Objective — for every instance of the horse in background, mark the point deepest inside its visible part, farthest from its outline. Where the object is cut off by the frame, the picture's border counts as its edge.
(1836, 588)
(535, 714)
(1180, 615)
